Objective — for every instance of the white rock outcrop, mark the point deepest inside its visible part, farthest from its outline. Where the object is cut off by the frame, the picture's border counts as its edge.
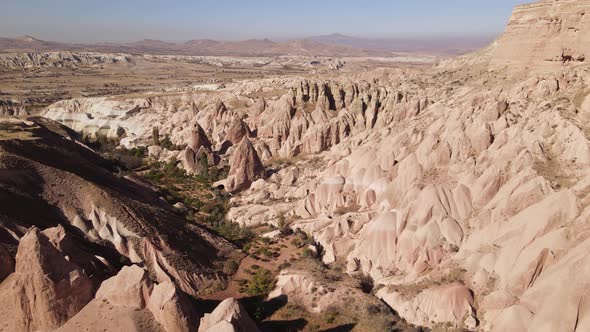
(228, 316)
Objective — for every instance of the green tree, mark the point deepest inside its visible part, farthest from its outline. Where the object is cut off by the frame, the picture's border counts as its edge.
(156, 135)
(261, 283)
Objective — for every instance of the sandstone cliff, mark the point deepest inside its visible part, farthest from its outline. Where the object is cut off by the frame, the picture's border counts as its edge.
(545, 35)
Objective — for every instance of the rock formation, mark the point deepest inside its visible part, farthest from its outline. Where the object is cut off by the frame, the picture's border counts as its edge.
(10, 108)
(198, 139)
(131, 300)
(245, 167)
(45, 290)
(60, 59)
(131, 287)
(197, 157)
(439, 305)
(399, 174)
(228, 316)
(300, 287)
(546, 34)
(236, 131)
(172, 309)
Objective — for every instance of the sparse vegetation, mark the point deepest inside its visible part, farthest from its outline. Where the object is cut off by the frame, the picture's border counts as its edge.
(284, 226)
(230, 267)
(552, 171)
(167, 144)
(260, 284)
(110, 148)
(205, 205)
(170, 171)
(100, 143)
(365, 283)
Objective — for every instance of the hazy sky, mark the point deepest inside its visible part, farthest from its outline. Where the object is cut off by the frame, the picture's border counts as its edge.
(177, 20)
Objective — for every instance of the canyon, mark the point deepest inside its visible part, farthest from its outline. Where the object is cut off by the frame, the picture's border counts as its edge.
(377, 194)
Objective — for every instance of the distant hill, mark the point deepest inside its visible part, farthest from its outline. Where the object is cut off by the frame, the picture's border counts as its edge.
(252, 47)
(27, 43)
(443, 45)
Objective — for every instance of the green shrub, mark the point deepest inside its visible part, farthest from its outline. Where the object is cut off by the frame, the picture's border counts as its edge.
(365, 283)
(265, 252)
(261, 283)
(297, 243)
(284, 225)
(375, 309)
(100, 142)
(156, 135)
(233, 232)
(166, 143)
(171, 169)
(140, 151)
(230, 267)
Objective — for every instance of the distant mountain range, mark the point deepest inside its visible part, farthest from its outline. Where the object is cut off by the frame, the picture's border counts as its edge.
(253, 47)
(441, 45)
(327, 45)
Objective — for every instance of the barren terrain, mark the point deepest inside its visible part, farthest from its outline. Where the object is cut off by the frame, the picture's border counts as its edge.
(39, 79)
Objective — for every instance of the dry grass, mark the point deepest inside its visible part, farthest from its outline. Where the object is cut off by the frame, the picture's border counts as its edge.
(437, 176)
(279, 163)
(267, 94)
(408, 291)
(552, 171)
(237, 103)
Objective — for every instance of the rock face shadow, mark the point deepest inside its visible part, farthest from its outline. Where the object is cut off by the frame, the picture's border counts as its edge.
(341, 328)
(259, 309)
(283, 325)
(204, 306)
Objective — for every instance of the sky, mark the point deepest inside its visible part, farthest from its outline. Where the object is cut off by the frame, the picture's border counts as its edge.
(181, 20)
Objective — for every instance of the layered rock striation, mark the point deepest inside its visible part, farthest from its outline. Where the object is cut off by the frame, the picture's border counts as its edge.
(545, 35)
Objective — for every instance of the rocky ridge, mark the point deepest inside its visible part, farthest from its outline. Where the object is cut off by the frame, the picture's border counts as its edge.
(60, 59)
(12, 109)
(104, 207)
